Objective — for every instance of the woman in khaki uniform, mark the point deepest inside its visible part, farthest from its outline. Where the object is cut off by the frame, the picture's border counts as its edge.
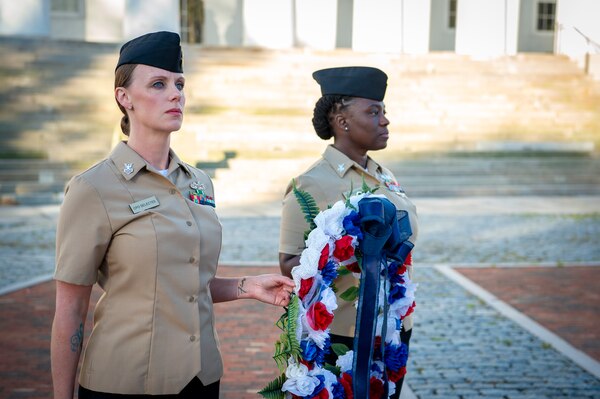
(142, 224)
(351, 110)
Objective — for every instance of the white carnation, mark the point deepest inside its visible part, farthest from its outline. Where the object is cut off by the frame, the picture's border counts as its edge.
(331, 219)
(329, 300)
(308, 267)
(344, 362)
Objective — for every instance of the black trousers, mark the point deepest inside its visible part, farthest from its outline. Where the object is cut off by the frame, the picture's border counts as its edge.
(349, 342)
(194, 390)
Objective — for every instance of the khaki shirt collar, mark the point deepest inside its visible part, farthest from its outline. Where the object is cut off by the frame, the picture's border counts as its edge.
(130, 163)
(342, 164)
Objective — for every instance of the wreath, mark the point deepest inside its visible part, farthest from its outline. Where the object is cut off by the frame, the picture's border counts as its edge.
(337, 244)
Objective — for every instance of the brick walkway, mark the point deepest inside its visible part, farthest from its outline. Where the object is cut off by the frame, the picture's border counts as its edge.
(562, 299)
(565, 300)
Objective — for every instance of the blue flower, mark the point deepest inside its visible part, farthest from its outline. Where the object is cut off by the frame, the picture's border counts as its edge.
(397, 291)
(321, 353)
(319, 387)
(393, 275)
(395, 356)
(312, 353)
(338, 391)
(309, 350)
(329, 273)
(351, 224)
(375, 367)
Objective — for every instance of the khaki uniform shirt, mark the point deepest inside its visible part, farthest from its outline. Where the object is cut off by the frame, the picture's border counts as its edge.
(329, 180)
(154, 324)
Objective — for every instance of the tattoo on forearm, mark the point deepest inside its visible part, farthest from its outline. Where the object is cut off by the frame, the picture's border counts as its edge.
(77, 339)
(240, 287)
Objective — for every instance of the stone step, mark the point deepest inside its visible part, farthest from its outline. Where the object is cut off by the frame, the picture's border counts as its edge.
(57, 96)
(439, 177)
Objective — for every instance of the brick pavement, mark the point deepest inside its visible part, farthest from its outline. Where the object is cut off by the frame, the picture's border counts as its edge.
(565, 300)
(247, 331)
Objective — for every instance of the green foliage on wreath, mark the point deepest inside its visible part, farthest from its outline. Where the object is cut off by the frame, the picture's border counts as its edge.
(287, 346)
(350, 295)
(365, 187)
(273, 389)
(308, 206)
(339, 349)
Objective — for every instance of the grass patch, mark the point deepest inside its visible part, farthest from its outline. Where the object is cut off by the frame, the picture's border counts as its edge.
(23, 155)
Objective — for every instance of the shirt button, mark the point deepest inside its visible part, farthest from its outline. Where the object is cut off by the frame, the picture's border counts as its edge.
(172, 191)
(192, 260)
(191, 298)
(192, 338)
(188, 223)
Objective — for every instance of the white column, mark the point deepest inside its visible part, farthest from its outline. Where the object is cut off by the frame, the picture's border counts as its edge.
(417, 20)
(25, 18)
(398, 26)
(144, 16)
(377, 26)
(316, 24)
(487, 28)
(223, 24)
(268, 23)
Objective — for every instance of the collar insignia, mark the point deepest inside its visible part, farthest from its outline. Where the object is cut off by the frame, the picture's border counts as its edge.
(127, 168)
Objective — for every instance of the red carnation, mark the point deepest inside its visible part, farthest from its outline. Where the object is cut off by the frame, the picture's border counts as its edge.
(395, 376)
(408, 260)
(346, 381)
(318, 317)
(375, 388)
(305, 286)
(410, 310)
(324, 257)
(343, 248)
(323, 394)
(377, 345)
(401, 270)
(353, 267)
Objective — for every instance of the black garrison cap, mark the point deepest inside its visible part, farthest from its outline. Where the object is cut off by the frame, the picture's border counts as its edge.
(157, 49)
(355, 81)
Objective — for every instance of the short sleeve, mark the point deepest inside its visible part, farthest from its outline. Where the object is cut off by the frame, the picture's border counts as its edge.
(83, 234)
(293, 224)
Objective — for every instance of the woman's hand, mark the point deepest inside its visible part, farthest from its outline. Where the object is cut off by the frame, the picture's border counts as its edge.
(273, 289)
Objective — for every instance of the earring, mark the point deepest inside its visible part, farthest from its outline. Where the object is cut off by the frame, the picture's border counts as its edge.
(130, 108)
(346, 128)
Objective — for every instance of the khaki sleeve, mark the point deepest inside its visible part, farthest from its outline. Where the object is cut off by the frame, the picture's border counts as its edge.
(83, 234)
(293, 224)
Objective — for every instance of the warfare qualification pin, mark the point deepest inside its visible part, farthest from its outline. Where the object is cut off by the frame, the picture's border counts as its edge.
(196, 185)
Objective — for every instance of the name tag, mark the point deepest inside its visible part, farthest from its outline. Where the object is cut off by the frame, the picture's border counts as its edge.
(147, 203)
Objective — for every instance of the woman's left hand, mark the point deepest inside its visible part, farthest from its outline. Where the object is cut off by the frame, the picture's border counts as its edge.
(273, 289)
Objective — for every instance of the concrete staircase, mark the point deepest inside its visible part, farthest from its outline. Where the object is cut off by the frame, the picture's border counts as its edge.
(56, 99)
(56, 104)
(429, 175)
(32, 181)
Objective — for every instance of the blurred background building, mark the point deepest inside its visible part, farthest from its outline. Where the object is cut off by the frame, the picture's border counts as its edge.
(473, 27)
(484, 76)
